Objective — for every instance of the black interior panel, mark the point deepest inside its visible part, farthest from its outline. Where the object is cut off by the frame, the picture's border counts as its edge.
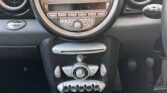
(135, 32)
(22, 71)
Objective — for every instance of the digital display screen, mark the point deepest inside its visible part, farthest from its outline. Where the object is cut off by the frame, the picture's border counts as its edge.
(69, 7)
(63, 0)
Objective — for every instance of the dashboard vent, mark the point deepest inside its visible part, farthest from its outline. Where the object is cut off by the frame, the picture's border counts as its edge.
(138, 3)
(136, 6)
(15, 9)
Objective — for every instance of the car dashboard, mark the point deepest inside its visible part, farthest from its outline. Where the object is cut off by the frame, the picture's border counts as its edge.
(22, 33)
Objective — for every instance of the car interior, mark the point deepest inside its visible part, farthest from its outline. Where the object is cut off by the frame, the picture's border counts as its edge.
(83, 46)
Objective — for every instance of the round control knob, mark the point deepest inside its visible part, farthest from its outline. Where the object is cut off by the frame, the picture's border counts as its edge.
(80, 72)
(78, 25)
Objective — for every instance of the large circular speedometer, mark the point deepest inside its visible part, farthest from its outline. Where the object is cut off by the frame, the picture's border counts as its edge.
(13, 5)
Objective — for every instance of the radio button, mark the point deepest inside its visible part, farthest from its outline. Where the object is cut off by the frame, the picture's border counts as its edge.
(62, 15)
(72, 15)
(82, 14)
(52, 16)
(92, 14)
(101, 14)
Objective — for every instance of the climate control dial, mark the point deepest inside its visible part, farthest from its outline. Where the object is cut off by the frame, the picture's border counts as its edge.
(80, 71)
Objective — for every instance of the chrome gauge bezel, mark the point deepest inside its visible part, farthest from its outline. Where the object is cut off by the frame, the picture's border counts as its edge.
(138, 4)
(97, 30)
(141, 2)
(11, 8)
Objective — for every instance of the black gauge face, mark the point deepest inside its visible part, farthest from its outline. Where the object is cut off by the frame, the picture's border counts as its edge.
(13, 3)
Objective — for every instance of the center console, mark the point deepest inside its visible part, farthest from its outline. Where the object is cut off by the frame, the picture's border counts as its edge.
(79, 58)
(88, 66)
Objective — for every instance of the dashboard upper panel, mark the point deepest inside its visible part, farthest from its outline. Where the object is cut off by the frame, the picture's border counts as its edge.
(17, 9)
(135, 36)
(135, 32)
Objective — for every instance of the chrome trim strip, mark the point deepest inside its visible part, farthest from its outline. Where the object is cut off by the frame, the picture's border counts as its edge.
(95, 85)
(78, 48)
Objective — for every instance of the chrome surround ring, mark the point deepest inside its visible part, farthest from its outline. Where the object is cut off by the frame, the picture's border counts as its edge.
(10, 8)
(54, 29)
(141, 3)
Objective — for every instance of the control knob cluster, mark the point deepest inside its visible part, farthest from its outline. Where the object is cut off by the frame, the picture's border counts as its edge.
(80, 71)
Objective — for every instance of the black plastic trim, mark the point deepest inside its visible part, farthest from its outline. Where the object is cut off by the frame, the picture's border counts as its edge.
(136, 33)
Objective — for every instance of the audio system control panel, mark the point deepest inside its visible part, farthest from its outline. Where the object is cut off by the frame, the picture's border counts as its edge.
(80, 67)
(76, 19)
(77, 15)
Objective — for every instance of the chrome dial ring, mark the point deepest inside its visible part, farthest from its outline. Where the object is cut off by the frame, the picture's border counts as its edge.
(12, 8)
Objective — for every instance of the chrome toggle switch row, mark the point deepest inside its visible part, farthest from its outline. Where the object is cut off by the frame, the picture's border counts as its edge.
(80, 71)
(81, 86)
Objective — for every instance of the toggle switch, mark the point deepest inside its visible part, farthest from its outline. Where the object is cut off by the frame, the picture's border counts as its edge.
(57, 72)
(103, 70)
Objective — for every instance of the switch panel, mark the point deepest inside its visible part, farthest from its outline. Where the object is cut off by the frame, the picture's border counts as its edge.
(81, 86)
(80, 70)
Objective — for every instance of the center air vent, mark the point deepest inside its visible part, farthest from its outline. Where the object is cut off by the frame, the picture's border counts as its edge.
(13, 5)
(138, 4)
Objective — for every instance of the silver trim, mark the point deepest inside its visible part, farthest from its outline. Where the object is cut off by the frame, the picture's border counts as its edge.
(80, 65)
(80, 58)
(57, 72)
(101, 85)
(78, 48)
(103, 70)
(93, 69)
(4, 5)
(89, 88)
(77, 24)
(15, 24)
(68, 70)
(73, 89)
